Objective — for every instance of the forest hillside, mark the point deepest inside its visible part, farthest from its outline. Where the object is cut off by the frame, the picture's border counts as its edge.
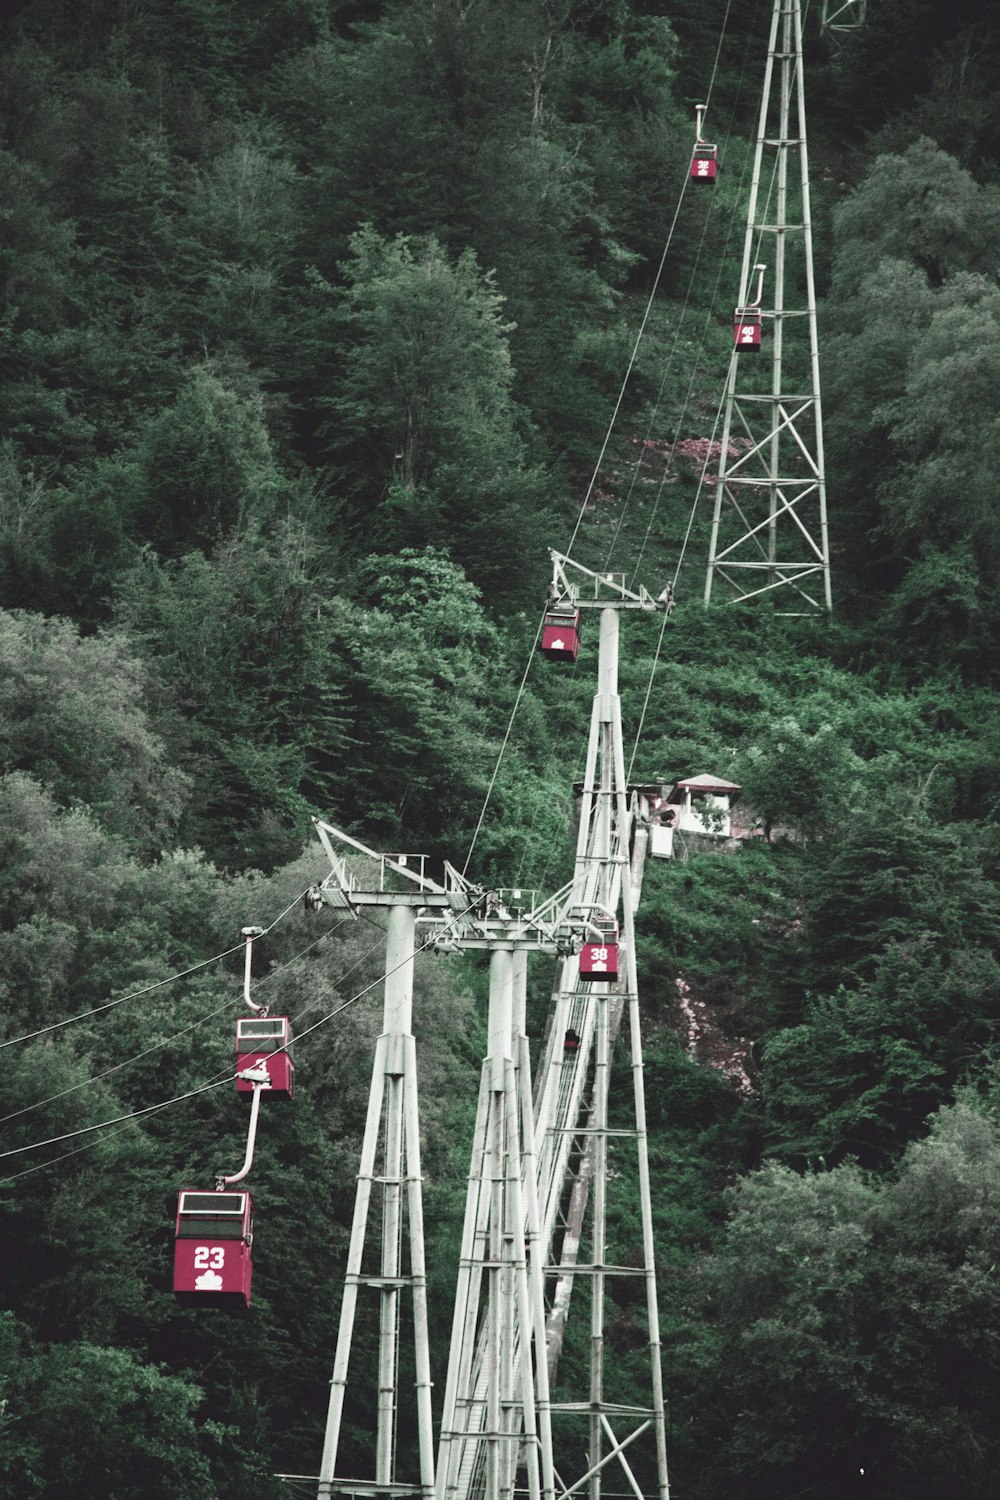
(320, 328)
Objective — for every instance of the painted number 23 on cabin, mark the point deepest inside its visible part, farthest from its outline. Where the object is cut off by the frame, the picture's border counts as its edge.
(209, 1257)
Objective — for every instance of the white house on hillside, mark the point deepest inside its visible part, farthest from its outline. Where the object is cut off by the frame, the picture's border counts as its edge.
(698, 804)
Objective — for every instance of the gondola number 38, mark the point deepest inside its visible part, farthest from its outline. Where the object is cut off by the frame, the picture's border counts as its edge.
(209, 1257)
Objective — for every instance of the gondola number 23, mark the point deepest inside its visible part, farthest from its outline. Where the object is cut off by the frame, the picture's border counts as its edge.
(209, 1257)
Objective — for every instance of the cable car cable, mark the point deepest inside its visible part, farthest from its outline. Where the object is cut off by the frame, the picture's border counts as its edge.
(604, 446)
(649, 306)
(710, 318)
(579, 519)
(503, 747)
(687, 534)
(215, 1083)
(135, 1114)
(166, 1041)
(147, 989)
(709, 322)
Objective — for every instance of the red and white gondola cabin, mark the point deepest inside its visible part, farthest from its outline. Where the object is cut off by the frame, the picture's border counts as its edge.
(561, 633)
(262, 1042)
(213, 1266)
(705, 163)
(746, 328)
(599, 961)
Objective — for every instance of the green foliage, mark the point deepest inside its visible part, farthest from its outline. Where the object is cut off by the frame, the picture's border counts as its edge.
(832, 1309)
(802, 780)
(73, 712)
(423, 404)
(313, 319)
(205, 467)
(100, 1421)
(921, 207)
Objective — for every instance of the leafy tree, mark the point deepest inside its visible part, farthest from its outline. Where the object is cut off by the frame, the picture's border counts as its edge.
(73, 715)
(206, 467)
(921, 207)
(246, 647)
(101, 1421)
(889, 878)
(848, 1343)
(423, 402)
(803, 781)
(430, 736)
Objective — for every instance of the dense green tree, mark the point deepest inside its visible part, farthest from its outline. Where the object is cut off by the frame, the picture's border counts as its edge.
(424, 406)
(251, 699)
(804, 781)
(100, 1421)
(73, 713)
(832, 1311)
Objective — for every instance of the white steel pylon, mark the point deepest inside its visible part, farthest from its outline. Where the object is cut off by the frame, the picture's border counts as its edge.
(573, 1086)
(496, 1403)
(390, 1160)
(769, 526)
(496, 1414)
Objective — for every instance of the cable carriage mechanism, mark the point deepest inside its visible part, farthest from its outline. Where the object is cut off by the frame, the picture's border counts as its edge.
(705, 157)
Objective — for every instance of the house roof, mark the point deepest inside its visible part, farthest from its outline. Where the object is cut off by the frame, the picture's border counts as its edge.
(705, 783)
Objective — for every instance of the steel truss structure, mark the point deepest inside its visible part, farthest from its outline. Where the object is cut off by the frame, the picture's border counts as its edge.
(842, 15)
(539, 1164)
(390, 1163)
(769, 527)
(573, 1091)
(488, 1430)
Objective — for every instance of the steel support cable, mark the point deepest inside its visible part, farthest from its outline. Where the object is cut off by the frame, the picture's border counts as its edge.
(176, 1036)
(701, 482)
(628, 372)
(604, 446)
(227, 1077)
(218, 1079)
(654, 413)
(684, 407)
(503, 747)
(680, 324)
(649, 306)
(659, 393)
(149, 988)
(550, 762)
(135, 1114)
(663, 627)
(722, 400)
(709, 317)
(580, 515)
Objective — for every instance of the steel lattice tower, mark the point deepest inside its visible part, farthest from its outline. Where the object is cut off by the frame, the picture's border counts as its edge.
(769, 526)
(524, 1221)
(573, 1093)
(842, 15)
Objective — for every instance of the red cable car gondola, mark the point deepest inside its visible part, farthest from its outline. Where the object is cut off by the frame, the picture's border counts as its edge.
(746, 328)
(561, 633)
(213, 1266)
(704, 162)
(705, 157)
(262, 1042)
(599, 961)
